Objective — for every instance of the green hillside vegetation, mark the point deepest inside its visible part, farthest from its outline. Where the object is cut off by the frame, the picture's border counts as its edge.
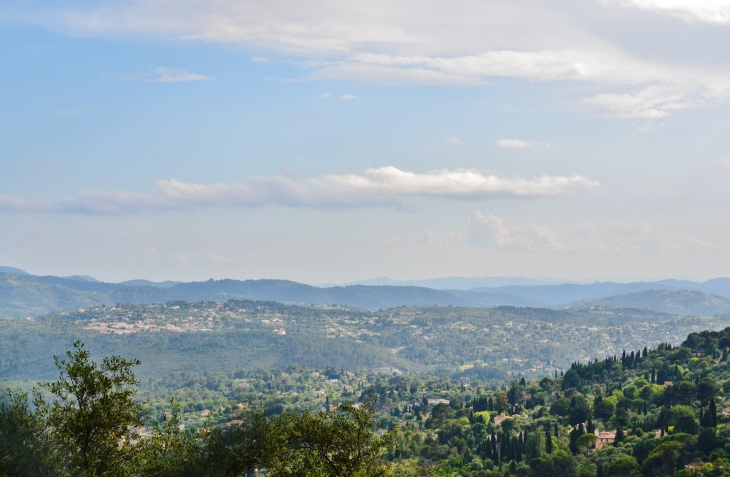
(645, 412)
(21, 296)
(685, 302)
(485, 343)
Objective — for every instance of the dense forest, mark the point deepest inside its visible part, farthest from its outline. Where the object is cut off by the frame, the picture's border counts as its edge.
(646, 411)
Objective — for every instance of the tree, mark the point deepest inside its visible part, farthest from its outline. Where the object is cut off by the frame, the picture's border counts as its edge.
(622, 466)
(683, 418)
(560, 407)
(571, 379)
(548, 441)
(172, 451)
(94, 413)
(559, 464)
(603, 409)
(663, 459)
(579, 410)
(25, 447)
(619, 436)
(707, 389)
(713, 413)
(337, 444)
(534, 445)
(514, 395)
(586, 441)
(706, 439)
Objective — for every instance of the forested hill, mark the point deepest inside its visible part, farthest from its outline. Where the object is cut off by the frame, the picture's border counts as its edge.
(685, 302)
(23, 295)
(489, 343)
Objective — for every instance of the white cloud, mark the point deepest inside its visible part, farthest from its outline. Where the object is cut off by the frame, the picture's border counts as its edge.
(443, 240)
(260, 59)
(708, 11)
(457, 183)
(384, 186)
(451, 139)
(651, 102)
(348, 96)
(490, 230)
(460, 42)
(19, 204)
(607, 237)
(724, 162)
(180, 257)
(520, 144)
(168, 75)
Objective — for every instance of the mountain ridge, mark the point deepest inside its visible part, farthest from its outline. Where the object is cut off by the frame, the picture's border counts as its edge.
(27, 295)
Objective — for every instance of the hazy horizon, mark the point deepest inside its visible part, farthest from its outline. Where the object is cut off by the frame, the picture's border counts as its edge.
(508, 280)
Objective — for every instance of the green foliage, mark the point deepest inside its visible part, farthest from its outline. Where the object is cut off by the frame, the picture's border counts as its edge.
(622, 466)
(26, 449)
(477, 343)
(94, 412)
(337, 444)
(215, 425)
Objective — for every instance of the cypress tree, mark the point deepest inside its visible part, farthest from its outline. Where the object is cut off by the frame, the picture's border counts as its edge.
(488, 449)
(495, 455)
(619, 435)
(713, 413)
(590, 428)
(503, 448)
(548, 441)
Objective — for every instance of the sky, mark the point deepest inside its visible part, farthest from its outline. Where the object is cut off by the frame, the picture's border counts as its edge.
(328, 142)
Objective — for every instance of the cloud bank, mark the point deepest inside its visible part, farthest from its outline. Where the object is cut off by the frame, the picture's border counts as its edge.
(708, 11)
(384, 186)
(621, 237)
(460, 42)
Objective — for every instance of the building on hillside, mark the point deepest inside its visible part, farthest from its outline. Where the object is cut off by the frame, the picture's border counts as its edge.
(606, 437)
(498, 420)
(438, 401)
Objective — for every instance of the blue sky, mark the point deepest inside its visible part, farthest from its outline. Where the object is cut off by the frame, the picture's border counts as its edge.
(329, 142)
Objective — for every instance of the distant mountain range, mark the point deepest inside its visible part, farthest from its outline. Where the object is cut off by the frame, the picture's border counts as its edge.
(22, 294)
(452, 283)
(685, 302)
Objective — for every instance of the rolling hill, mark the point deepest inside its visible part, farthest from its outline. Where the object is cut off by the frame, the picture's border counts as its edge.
(685, 302)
